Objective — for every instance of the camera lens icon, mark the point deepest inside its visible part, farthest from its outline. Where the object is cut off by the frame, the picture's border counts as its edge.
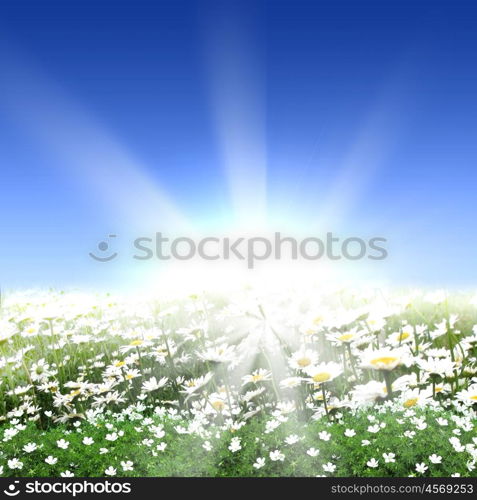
(12, 491)
(103, 246)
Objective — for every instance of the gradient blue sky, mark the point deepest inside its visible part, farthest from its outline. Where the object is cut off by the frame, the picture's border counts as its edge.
(354, 117)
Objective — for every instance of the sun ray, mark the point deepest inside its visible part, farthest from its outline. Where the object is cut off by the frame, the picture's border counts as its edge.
(237, 97)
(89, 153)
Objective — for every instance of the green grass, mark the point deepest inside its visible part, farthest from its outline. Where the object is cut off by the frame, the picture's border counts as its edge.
(92, 367)
(185, 455)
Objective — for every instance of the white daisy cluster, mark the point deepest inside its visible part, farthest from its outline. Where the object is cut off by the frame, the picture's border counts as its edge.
(218, 364)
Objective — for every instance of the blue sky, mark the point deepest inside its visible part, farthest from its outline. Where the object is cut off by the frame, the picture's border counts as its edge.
(127, 117)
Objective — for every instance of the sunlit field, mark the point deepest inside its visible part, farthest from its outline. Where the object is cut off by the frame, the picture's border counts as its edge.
(342, 384)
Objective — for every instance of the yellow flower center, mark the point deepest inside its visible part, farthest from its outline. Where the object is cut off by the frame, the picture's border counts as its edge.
(137, 342)
(118, 364)
(257, 378)
(304, 362)
(318, 320)
(403, 336)
(218, 405)
(384, 360)
(410, 402)
(346, 337)
(474, 397)
(321, 377)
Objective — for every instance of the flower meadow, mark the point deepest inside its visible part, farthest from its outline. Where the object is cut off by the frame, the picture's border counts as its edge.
(349, 383)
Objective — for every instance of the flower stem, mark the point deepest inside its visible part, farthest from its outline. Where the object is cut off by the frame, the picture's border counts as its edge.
(389, 385)
(324, 401)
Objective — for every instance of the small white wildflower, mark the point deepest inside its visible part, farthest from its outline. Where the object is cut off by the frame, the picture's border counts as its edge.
(62, 444)
(30, 448)
(128, 465)
(329, 467)
(421, 468)
(276, 456)
(110, 471)
(435, 459)
(14, 463)
(259, 463)
(292, 439)
(325, 436)
(235, 445)
(373, 463)
(313, 452)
